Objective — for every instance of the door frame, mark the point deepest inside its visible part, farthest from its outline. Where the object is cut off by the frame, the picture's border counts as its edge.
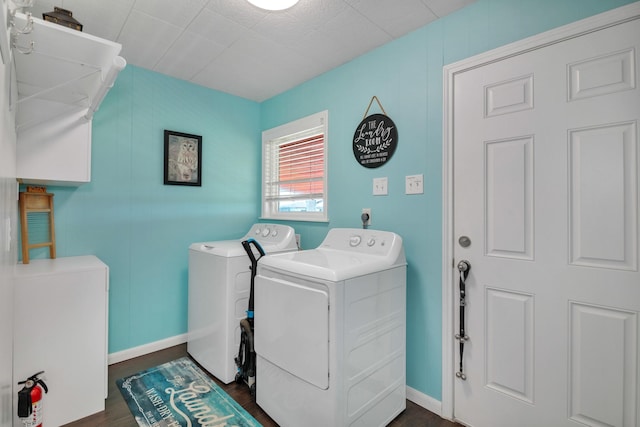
(597, 22)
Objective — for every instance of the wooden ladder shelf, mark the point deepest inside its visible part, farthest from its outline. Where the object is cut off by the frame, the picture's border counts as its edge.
(34, 202)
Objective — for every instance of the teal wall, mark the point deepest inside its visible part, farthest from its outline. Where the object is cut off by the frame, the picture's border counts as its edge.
(406, 76)
(142, 228)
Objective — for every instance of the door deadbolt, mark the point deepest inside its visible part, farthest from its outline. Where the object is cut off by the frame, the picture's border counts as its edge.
(464, 241)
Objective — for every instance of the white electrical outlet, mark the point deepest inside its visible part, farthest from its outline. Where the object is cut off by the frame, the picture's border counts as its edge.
(368, 212)
(414, 184)
(380, 186)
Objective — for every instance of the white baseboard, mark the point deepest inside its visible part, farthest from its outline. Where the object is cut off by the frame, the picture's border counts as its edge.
(141, 350)
(427, 402)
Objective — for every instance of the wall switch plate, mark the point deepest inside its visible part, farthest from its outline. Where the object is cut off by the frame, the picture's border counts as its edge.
(414, 184)
(380, 186)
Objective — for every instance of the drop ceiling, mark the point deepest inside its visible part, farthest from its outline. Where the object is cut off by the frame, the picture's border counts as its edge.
(234, 47)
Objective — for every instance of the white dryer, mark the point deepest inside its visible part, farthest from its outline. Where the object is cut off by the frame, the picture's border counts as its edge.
(219, 283)
(330, 327)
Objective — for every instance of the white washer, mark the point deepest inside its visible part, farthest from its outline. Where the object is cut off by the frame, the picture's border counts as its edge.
(330, 327)
(219, 283)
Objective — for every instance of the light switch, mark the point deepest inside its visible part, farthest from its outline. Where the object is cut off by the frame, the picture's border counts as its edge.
(380, 186)
(414, 184)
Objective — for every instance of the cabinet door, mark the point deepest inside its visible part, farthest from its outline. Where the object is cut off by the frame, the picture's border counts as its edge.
(57, 151)
(60, 328)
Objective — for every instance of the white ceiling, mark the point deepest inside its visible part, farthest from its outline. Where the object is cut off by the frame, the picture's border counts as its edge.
(234, 47)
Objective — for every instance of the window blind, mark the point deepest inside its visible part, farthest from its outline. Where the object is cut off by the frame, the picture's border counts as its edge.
(294, 172)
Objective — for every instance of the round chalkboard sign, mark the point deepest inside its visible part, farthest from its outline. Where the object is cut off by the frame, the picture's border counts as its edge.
(375, 140)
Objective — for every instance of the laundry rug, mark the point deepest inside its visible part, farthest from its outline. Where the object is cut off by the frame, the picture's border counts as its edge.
(179, 393)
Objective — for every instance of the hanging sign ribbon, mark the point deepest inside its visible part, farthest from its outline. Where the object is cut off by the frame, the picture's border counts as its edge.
(375, 139)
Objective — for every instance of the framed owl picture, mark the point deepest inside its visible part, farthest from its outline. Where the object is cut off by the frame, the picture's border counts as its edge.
(182, 159)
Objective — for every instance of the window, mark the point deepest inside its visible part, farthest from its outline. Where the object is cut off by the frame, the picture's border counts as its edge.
(294, 170)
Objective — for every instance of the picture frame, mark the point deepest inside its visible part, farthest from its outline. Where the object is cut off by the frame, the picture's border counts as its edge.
(182, 159)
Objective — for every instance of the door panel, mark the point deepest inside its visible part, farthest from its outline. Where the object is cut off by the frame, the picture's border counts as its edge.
(509, 190)
(591, 328)
(546, 160)
(509, 332)
(602, 75)
(603, 188)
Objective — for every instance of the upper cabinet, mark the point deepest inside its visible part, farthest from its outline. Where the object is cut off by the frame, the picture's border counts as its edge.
(62, 77)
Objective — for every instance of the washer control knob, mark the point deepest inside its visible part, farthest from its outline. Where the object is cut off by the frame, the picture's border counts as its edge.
(354, 241)
(258, 231)
(274, 233)
(371, 242)
(266, 232)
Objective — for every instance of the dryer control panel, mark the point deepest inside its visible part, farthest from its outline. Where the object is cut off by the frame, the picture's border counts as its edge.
(373, 242)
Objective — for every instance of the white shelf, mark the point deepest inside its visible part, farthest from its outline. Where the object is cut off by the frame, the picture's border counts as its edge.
(67, 71)
(62, 77)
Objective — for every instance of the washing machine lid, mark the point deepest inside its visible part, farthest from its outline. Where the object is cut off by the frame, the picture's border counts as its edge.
(344, 254)
(222, 248)
(272, 237)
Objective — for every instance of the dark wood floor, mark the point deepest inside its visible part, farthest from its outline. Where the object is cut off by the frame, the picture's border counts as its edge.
(117, 413)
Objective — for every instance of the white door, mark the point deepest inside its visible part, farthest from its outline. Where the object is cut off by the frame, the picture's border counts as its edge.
(546, 173)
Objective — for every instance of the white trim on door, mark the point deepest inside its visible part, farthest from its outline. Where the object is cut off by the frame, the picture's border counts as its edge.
(449, 278)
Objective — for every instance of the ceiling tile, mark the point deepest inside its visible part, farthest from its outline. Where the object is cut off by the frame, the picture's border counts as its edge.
(188, 56)
(256, 70)
(145, 39)
(216, 27)
(231, 73)
(260, 48)
(396, 18)
(323, 50)
(249, 78)
(281, 28)
(177, 12)
(240, 11)
(314, 13)
(353, 32)
(444, 7)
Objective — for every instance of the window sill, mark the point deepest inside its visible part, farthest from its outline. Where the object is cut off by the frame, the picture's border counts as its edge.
(293, 218)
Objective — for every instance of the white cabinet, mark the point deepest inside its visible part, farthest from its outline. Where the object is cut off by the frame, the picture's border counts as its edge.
(60, 327)
(60, 84)
(56, 153)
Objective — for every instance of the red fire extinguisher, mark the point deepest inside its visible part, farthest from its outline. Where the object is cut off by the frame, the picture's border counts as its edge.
(30, 400)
